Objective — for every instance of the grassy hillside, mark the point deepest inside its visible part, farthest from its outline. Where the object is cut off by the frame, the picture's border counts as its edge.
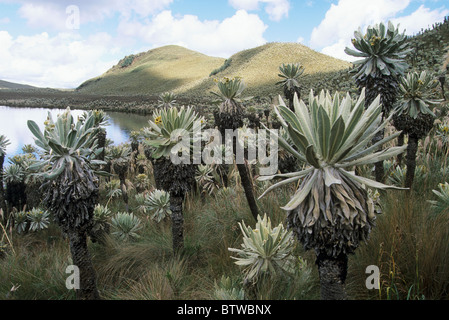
(259, 67)
(11, 85)
(153, 72)
(186, 72)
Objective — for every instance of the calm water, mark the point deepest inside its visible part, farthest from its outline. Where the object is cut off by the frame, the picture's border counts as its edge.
(13, 124)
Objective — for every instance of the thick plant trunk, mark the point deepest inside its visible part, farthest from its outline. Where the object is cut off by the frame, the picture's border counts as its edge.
(81, 258)
(178, 181)
(248, 187)
(332, 272)
(412, 149)
(400, 144)
(101, 136)
(385, 86)
(290, 95)
(177, 222)
(233, 121)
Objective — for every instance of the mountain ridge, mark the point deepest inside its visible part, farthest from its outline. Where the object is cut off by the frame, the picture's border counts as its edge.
(187, 72)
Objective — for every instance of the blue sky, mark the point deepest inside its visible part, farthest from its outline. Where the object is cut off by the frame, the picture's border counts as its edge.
(61, 43)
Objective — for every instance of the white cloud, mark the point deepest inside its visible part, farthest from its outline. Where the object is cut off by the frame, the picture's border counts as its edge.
(276, 9)
(66, 59)
(335, 31)
(422, 18)
(61, 61)
(342, 19)
(211, 37)
(5, 20)
(37, 12)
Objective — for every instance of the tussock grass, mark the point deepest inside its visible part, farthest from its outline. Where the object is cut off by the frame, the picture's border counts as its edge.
(37, 269)
(410, 245)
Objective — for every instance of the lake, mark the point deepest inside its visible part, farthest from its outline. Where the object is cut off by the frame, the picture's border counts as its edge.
(13, 124)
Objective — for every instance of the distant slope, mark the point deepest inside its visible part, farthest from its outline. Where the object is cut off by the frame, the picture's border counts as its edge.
(259, 67)
(186, 72)
(153, 72)
(12, 85)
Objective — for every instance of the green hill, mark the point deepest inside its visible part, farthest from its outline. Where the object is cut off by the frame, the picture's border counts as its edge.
(153, 72)
(259, 67)
(186, 72)
(12, 85)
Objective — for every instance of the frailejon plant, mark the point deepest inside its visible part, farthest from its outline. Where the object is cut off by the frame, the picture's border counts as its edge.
(265, 250)
(382, 50)
(126, 226)
(4, 142)
(119, 158)
(331, 211)
(441, 204)
(21, 223)
(290, 74)
(398, 175)
(141, 182)
(39, 219)
(14, 177)
(226, 289)
(167, 128)
(413, 114)
(206, 178)
(71, 185)
(416, 91)
(101, 120)
(102, 223)
(230, 117)
(167, 100)
(158, 203)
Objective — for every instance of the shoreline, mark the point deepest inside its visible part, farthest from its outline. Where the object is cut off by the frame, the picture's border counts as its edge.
(55, 99)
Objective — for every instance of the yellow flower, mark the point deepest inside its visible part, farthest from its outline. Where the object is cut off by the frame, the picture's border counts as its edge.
(158, 120)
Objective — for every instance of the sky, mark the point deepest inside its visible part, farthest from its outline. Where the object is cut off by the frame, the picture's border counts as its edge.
(62, 43)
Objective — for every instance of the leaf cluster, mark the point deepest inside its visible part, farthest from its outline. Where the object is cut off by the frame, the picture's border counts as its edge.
(265, 250)
(168, 127)
(415, 92)
(382, 49)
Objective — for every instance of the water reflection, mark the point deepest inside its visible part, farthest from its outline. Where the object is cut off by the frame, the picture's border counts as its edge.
(13, 124)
